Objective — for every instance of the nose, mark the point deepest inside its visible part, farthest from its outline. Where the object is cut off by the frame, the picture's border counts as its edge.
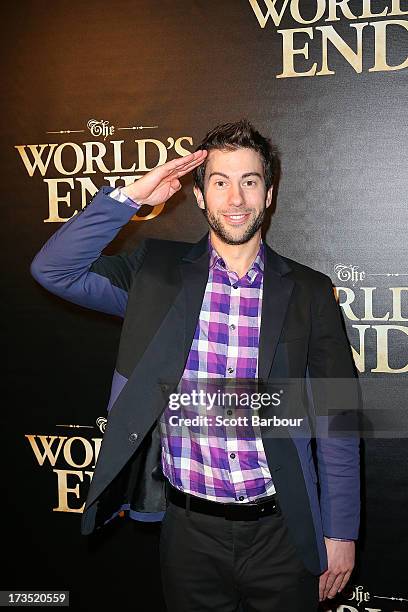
(235, 196)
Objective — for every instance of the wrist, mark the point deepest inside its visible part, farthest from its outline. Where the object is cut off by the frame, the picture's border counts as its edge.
(119, 196)
(130, 191)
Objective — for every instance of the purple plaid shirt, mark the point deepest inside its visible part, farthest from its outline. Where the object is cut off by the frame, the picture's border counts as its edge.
(218, 462)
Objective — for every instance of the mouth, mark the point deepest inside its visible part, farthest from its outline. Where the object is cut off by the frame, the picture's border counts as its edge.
(236, 219)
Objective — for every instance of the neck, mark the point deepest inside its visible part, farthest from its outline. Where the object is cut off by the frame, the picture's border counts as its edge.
(238, 257)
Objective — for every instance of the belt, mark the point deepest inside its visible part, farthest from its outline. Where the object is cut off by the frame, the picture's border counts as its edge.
(251, 511)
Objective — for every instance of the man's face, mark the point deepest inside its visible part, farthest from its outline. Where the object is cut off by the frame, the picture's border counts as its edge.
(235, 197)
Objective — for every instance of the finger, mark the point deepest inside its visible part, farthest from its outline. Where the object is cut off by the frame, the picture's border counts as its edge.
(164, 170)
(322, 584)
(188, 166)
(328, 583)
(182, 165)
(175, 186)
(179, 173)
(345, 580)
(193, 158)
(195, 154)
(335, 586)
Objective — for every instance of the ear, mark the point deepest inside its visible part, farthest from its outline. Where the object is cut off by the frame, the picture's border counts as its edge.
(269, 197)
(199, 197)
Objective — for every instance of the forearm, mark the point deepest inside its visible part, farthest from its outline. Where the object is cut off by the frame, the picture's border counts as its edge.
(64, 263)
(79, 241)
(336, 403)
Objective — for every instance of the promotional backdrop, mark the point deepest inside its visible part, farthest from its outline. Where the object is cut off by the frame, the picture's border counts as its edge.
(98, 93)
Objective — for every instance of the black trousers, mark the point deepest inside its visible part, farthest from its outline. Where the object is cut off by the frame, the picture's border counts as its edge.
(209, 563)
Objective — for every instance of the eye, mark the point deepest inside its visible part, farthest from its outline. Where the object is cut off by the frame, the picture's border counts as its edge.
(250, 183)
(220, 183)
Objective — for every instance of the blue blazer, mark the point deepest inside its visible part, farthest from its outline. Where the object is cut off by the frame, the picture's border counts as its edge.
(158, 290)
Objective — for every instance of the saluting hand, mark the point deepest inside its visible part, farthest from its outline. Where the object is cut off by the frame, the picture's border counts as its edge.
(158, 185)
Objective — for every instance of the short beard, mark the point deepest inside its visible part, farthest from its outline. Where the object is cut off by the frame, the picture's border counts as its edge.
(227, 238)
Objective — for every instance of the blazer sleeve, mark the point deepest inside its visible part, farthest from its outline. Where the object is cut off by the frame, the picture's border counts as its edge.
(335, 393)
(71, 264)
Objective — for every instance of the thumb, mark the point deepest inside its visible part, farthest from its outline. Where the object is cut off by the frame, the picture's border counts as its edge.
(175, 184)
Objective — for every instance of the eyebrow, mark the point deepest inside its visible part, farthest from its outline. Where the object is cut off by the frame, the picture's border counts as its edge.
(243, 176)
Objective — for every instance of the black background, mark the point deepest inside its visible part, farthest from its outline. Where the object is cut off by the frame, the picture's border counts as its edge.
(184, 66)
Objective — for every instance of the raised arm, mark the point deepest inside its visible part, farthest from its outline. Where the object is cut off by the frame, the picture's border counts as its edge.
(71, 264)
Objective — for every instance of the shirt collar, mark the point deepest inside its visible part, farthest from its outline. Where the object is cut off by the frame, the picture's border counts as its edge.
(258, 264)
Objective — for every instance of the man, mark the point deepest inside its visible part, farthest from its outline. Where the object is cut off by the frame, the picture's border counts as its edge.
(243, 523)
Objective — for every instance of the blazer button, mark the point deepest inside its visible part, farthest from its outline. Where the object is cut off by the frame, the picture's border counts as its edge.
(133, 437)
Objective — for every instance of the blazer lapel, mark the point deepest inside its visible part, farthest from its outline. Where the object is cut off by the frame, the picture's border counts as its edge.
(277, 289)
(194, 272)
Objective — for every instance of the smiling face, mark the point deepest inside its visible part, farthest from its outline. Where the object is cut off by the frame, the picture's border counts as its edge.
(235, 196)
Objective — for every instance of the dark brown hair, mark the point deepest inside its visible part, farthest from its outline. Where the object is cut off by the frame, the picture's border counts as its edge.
(238, 135)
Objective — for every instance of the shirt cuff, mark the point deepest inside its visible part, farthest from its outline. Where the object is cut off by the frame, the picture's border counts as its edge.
(339, 539)
(117, 194)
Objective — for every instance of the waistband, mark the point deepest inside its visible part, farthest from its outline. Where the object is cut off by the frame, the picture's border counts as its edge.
(250, 511)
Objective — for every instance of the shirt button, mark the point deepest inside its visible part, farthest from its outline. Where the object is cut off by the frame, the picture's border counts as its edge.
(133, 437)
(229, 411)
(235, 286)
(230, 370)
(232, 455)
(241, 498)
(232, 326)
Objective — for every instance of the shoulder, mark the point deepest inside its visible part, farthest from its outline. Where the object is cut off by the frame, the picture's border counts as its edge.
(297, 270)
(308, 278)
(168, 245)
(169, 248)
(160, 255)
(311, 274)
